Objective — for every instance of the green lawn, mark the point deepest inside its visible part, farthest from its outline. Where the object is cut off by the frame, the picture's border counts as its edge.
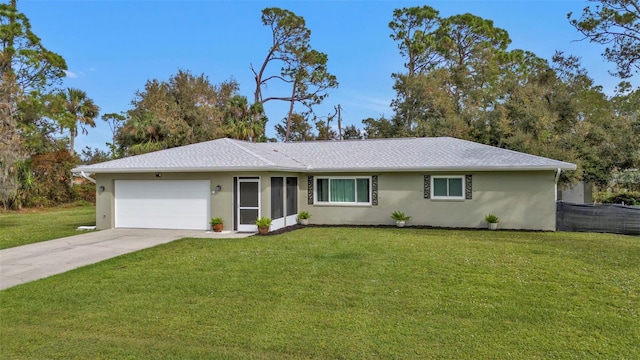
(34, 225)
(348, 293)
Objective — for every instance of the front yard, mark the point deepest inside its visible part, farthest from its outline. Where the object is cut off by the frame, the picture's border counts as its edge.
(35, 225)
(341, 293)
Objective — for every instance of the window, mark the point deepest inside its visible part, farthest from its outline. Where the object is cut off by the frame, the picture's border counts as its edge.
(343, 190)
(447, 187)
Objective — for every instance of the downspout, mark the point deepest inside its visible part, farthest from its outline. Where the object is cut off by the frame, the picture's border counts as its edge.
(94, 180)
(556, 183)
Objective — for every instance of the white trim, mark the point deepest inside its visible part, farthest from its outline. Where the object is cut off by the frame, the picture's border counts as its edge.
(278, 223)
(332, 203)
(291, 219)
(249, 227)
(434, 197)
(555, 186)
(314, 170)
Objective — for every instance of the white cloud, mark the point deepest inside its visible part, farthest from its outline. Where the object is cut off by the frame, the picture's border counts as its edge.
(70, 74)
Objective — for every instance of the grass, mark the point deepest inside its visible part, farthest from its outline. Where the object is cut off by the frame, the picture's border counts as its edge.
(341, 293)
(35, 225)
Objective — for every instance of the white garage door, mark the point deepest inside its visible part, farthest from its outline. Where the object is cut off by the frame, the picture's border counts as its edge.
(162, 204)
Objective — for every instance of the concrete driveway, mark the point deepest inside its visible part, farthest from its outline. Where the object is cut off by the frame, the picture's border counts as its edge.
(26, 263)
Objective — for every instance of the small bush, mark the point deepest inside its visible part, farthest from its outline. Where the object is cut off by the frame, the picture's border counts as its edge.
(399, 216)
(263, 221)
(626, 197)
(491, 219)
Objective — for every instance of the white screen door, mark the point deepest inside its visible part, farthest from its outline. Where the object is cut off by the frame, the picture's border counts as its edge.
(248, 204)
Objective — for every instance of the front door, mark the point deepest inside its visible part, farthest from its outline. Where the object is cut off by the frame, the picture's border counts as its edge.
(248, 203)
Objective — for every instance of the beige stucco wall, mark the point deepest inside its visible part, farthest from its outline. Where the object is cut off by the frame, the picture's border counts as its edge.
(522, 200)
(221, 202)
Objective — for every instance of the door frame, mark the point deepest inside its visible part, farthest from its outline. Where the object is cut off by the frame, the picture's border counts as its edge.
(248, 227)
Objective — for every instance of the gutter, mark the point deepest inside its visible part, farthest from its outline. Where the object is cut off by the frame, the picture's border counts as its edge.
(556, 183)
(84, 175)
(324, 170)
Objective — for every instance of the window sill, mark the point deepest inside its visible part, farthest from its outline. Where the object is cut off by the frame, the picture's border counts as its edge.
(343, 204)
(448, 199)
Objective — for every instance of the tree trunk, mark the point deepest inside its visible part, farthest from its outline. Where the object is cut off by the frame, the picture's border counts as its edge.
(291, 103)
(73, 132)
(339, 123)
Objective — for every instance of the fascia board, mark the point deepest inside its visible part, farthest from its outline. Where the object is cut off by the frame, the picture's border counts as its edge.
(444, 168)
(90, 170)
(563, 166)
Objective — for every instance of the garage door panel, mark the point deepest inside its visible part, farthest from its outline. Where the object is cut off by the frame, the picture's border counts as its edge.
(162, 204)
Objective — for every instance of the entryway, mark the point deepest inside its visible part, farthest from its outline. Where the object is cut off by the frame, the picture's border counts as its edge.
(248, 200)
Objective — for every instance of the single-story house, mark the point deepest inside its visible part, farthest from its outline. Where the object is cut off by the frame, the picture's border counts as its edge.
(441, 182)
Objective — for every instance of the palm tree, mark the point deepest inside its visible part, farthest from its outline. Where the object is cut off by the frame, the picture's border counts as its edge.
(79, 110)
(242, 120)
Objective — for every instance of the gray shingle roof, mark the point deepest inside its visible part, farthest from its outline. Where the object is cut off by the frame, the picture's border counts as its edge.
(407, 154)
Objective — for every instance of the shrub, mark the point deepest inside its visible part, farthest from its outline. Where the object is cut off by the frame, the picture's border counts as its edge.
(399, 216)
(491, 219)
(626, 197)
(85, 191)
(263, 221)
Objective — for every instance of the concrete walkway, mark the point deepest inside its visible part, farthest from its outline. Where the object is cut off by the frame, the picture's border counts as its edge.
(26, 263)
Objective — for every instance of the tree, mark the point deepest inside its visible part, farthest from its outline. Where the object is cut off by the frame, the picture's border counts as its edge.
(78, 111)
(299, 130)
(52, 178)
(414, 31)
(22, 53)
(27, 70)
(325, 131)
(90, 155)
(115, 122)
(454, 67)
(351, 132)
(302, 67)
(310, 81)
(11, 147)
(616, 24)
(378, 128)
(324, 128)
(139, 135)
(240, 119)
(184, 110)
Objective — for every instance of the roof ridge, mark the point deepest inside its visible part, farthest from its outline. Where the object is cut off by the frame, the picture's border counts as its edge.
(285, 154)
(239, 144)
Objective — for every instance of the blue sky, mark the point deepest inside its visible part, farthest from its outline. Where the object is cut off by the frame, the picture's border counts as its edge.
(113, 47)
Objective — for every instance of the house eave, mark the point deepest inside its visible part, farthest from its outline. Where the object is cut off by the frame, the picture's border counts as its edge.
(442, 169)
(90, 170)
